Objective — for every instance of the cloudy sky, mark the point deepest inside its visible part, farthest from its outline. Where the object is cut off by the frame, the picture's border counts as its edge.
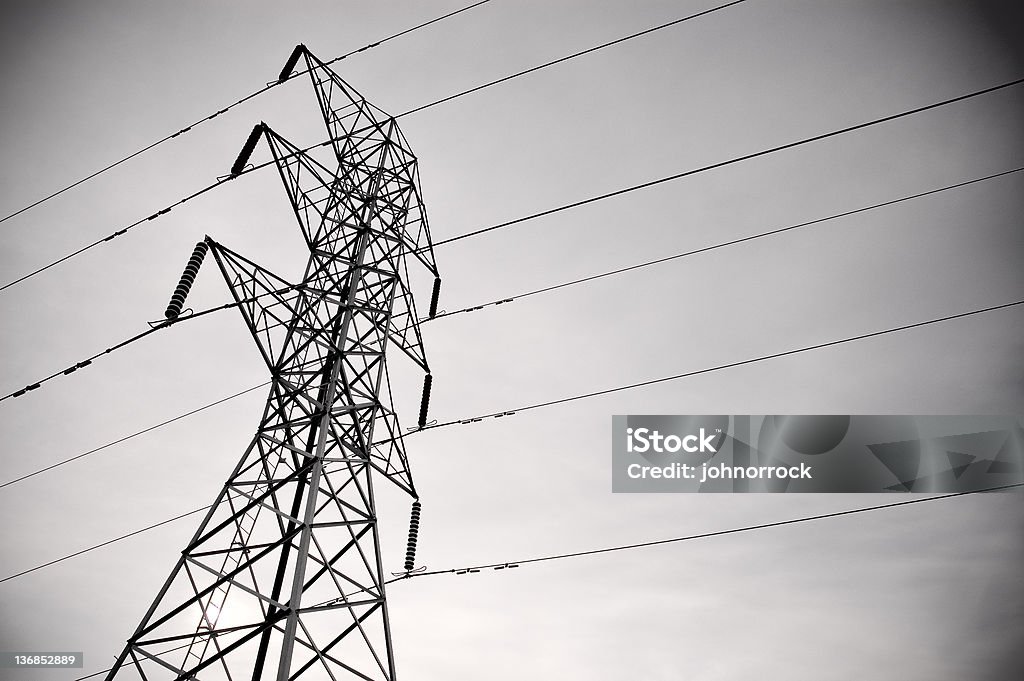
(930, 592)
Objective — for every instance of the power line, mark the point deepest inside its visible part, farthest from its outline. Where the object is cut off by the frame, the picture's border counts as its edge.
(703, 535)
(730, 365)
(220, 181)
(723, 244)
(106, 543)
(499, 414)
(124, 230)
(577, 397)
(120, 232)
(153, 329)
(545, 65)
(549, 211)
(104, 671)
(137, 433)
(268, 86)
(457, 95)
(674, 540)
(737, 159)
(562, 556)
(546, 289)
(527, 294)
(573, 398)
(624, 547)
(213, 634)
(170, 650)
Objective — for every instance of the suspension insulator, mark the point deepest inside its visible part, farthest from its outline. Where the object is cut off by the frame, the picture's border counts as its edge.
(414, 524)
(247, 149)
(185, 283)
(434, 296)
(286, 72)
(425, 400)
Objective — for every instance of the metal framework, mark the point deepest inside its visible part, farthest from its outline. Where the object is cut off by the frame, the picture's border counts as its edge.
(283, 579)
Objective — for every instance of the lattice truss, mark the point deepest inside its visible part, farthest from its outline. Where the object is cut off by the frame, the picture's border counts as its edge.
(283, 578)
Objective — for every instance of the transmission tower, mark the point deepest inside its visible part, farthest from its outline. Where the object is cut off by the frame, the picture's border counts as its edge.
(283, 579)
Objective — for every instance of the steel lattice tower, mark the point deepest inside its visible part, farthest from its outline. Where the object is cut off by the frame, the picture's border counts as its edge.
(283, 579)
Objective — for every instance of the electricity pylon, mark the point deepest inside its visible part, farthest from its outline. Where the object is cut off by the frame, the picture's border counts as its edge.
(283, 579)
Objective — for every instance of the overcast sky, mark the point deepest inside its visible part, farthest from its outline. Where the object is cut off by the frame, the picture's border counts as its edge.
(929, 592)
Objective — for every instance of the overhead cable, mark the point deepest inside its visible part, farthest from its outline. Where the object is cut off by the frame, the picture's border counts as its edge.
(721, 244)
(546, 289)
(562, 556)
(137, 433)
(731, 161)
(106, 543)
(550, 211)
(658, 542)
(472, 569)
(219, 112)
(596, 393)
(163, 324)
(721, 367)
(420, 108)
(566, 58)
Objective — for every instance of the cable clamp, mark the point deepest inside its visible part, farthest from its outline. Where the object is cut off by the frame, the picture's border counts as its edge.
(78, 366)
